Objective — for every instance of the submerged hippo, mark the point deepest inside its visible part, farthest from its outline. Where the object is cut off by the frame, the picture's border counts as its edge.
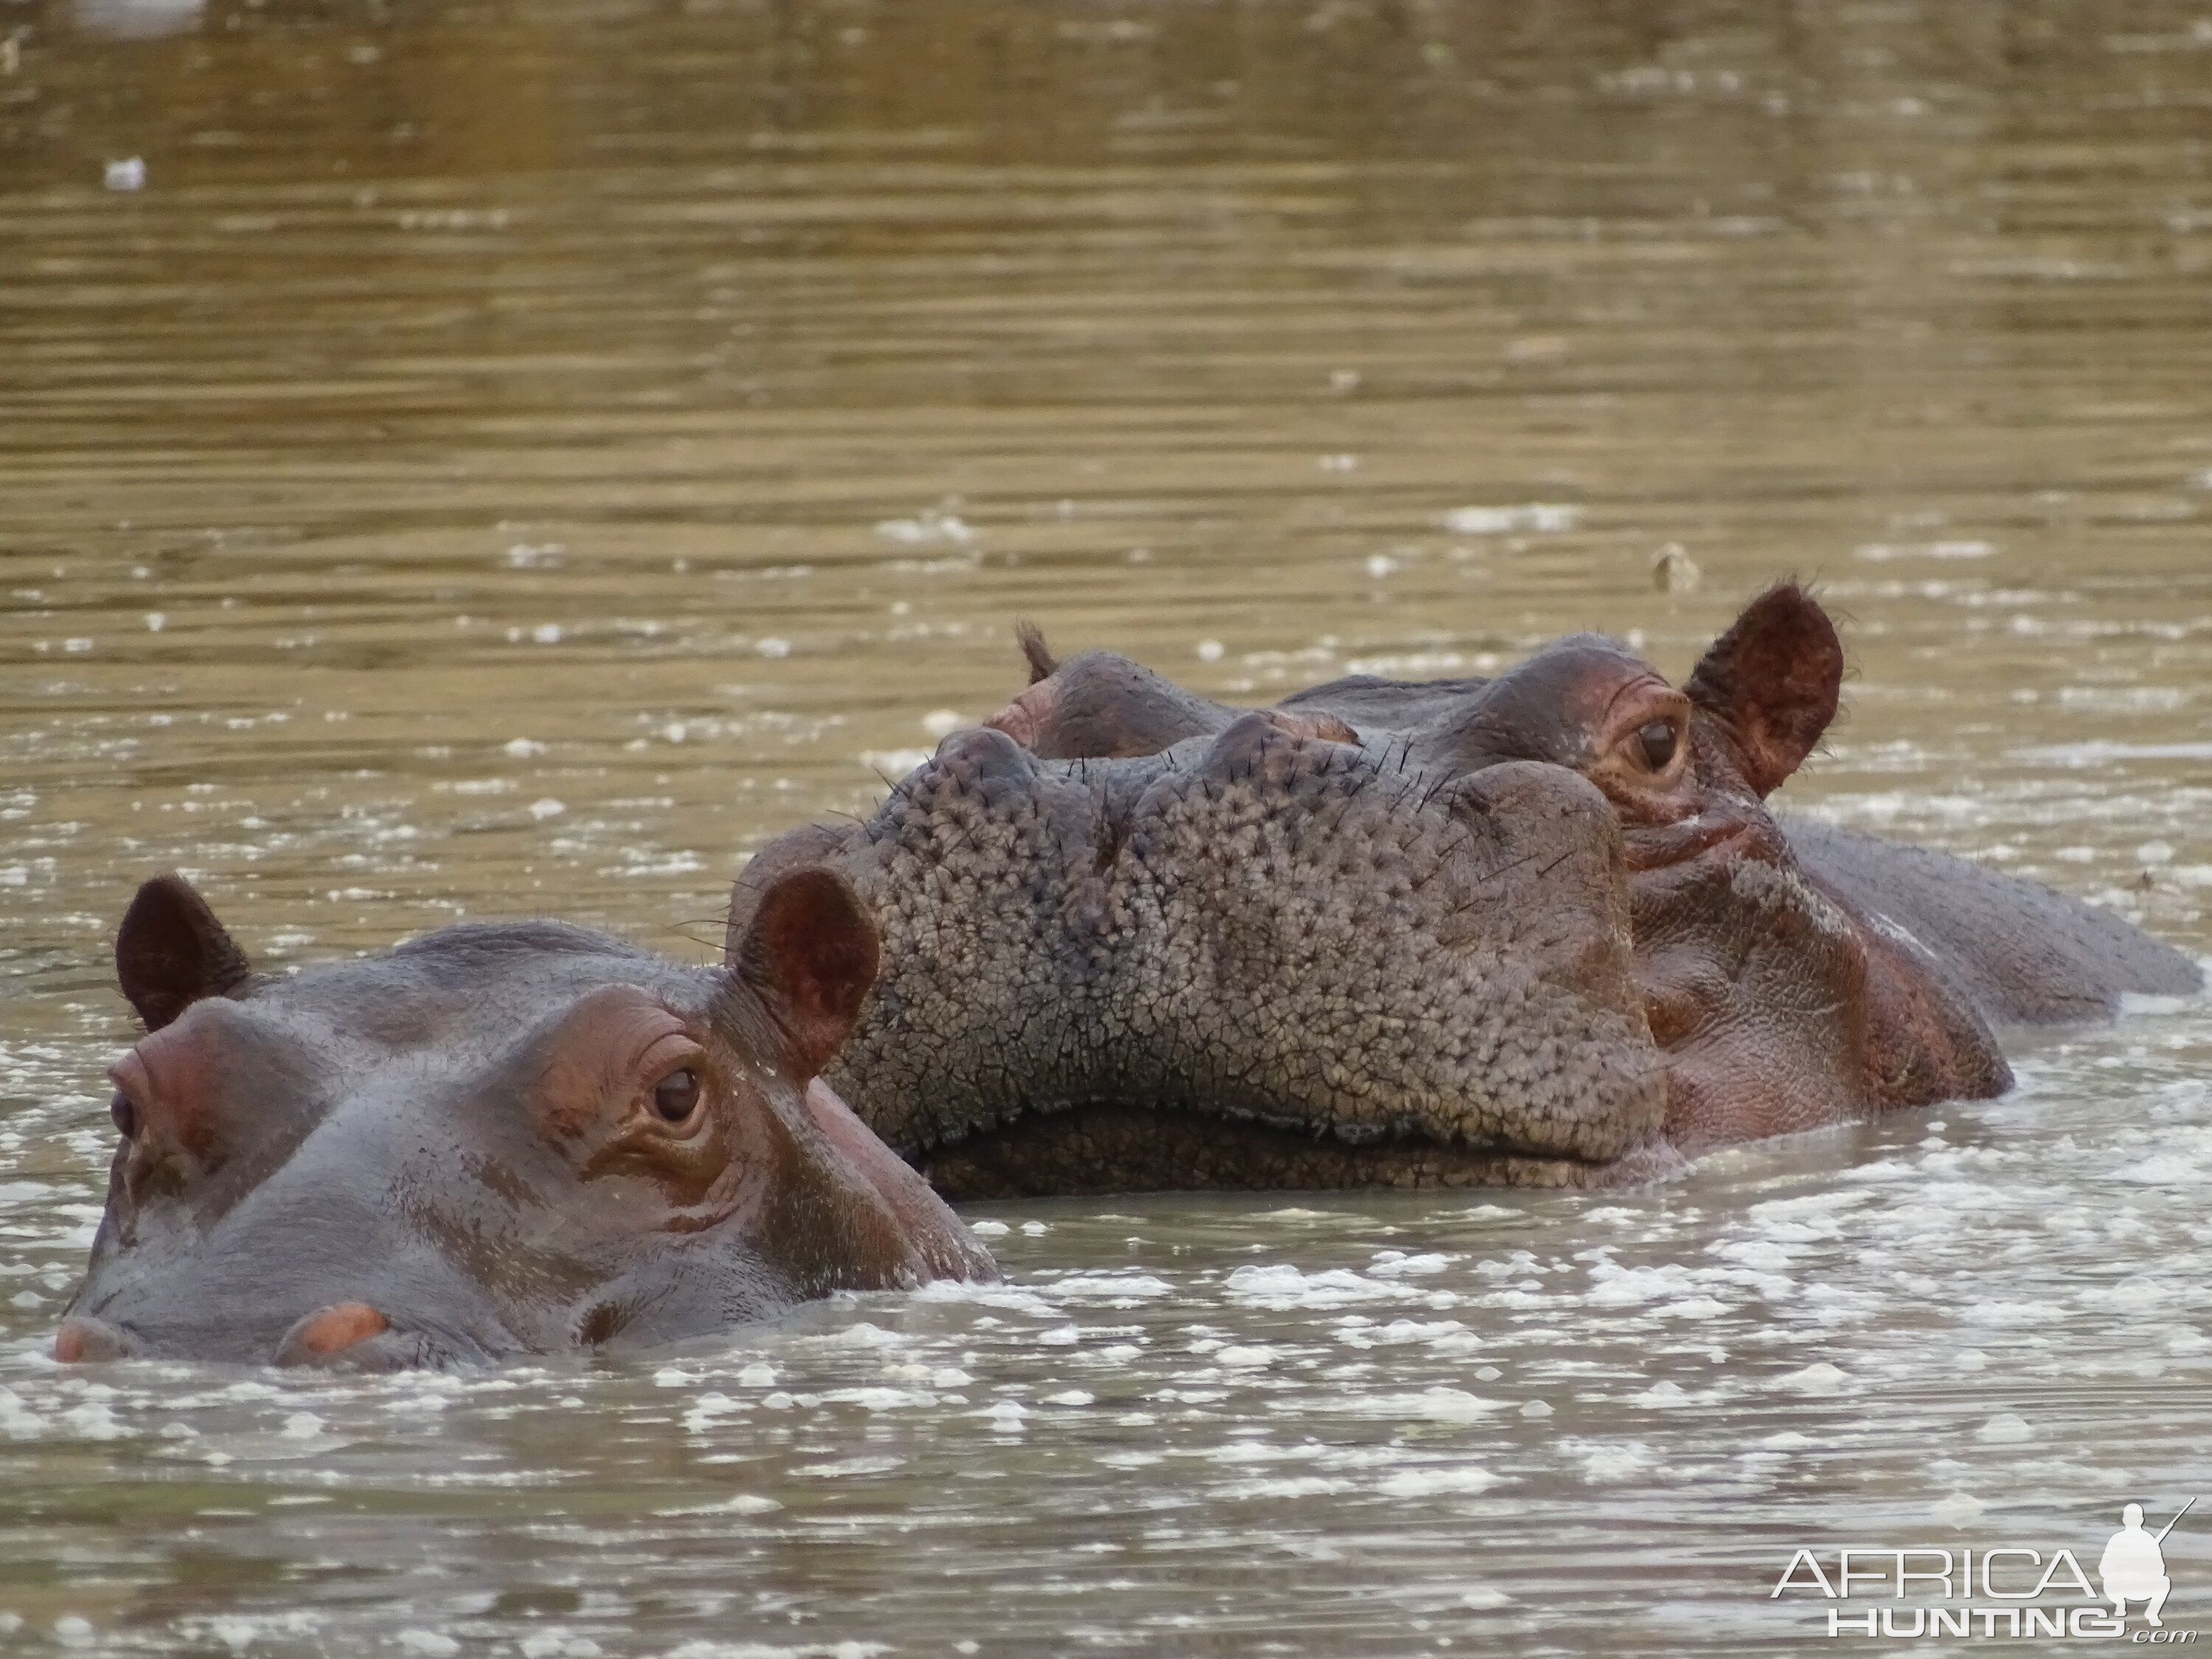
(497, 1139)
(1540, 929)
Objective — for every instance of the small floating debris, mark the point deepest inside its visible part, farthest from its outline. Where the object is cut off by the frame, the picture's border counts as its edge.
(130, 173)
(1673, 571)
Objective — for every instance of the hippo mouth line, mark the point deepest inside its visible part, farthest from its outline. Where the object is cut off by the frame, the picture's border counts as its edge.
(1106, 1145)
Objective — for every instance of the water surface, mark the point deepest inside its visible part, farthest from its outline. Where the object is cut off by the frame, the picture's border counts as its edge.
(510, 458)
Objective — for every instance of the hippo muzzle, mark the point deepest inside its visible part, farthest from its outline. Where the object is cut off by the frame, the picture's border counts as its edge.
(1261, 958)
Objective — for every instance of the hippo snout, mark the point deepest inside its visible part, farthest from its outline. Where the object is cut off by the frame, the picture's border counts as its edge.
(81, 1341)
(325, 1335)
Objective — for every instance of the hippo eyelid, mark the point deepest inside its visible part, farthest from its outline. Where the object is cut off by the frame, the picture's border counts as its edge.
(1662, 720)
(1641, 685)
(667, 1057)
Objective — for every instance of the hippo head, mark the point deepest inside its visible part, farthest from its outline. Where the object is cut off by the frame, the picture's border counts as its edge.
(496, 1139)
(1776, 1007)
(1707, 755)
(1539, 928)
(1753, 981)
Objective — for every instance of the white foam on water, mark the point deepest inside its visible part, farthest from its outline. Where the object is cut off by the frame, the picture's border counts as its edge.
(1396, 1264)
(846, 1469)
(1603, 1465)
(1819, 1377)
(1538, 517)
(2103, 751)
(1107, 1286)
(1947, 1325)
(1281, 1286)
(741, 1503)
(1429, 1483)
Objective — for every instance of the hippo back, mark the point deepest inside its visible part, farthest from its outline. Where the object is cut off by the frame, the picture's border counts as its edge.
(2023, 954)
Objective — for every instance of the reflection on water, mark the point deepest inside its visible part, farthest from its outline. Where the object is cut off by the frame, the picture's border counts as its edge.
(518, 457)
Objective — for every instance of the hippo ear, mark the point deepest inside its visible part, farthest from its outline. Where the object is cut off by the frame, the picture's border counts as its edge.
(810, 953)
(171, 951)
(1772, 681)
(1035, 650)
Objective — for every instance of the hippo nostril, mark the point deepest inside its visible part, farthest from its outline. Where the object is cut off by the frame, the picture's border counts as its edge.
(125, 1111)
(330, 1331)
(81, 1341)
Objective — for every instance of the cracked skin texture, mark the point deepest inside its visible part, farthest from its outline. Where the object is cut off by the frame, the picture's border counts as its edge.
(1261, 959)
(1793, 974)
(1540, 929)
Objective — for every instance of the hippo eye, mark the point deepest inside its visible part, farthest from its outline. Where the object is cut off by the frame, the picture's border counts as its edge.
(675, 1096)
(125, 1111)
(1656, 740)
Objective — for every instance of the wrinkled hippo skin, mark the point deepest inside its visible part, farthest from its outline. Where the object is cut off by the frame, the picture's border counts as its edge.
(496, 1138)
(1540, 929)
(1341, 970)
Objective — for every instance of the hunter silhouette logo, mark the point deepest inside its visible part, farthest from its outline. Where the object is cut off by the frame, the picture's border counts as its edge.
(2133, 1565)
(2000, 1591)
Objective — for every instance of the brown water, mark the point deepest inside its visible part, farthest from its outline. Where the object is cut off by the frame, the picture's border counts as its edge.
(518, 457)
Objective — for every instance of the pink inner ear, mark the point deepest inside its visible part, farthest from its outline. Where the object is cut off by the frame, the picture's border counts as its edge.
(811, 954)
(827, 965)
(1773, 679)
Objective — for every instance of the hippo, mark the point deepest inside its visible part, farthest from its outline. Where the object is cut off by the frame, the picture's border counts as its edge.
(494, 1140)
(1540, 929)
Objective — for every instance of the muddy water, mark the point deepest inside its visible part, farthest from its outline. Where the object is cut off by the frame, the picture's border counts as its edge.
(518, 457)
